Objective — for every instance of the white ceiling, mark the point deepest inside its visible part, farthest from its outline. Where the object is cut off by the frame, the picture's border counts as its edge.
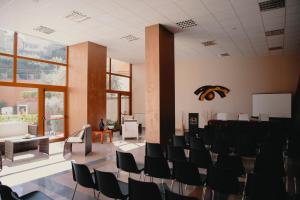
(237, 26)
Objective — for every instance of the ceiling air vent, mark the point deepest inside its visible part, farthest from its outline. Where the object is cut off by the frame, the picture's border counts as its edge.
(275, 48)
(76, 16)
(186, 24)
(275, 32)
(44, 29)
(224, 54)
(209, 43)
(271, 4)
(130, 38)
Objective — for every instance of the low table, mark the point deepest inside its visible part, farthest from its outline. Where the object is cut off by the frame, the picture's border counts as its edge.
(17, 145)
(101, 134)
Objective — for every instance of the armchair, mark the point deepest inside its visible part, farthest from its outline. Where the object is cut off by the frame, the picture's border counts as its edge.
(82, 136)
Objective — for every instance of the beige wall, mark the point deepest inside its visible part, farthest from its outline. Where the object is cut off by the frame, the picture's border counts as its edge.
(243, 76)
(138, 88)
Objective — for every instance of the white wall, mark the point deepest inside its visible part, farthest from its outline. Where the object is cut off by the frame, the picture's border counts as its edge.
(243, 76)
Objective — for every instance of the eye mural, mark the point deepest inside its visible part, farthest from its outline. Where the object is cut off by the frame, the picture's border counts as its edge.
(208, 92)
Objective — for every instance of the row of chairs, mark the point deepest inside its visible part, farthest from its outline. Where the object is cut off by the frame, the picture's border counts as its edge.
(106, 183)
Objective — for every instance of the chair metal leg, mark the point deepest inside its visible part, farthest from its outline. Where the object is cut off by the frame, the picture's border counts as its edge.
(244, 190)
(118, 173)
(74, 191)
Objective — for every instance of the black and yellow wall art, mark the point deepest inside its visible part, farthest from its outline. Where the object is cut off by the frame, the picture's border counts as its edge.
(207, 92)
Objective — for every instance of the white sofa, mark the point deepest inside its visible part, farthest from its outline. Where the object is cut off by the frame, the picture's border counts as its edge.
(130, 129)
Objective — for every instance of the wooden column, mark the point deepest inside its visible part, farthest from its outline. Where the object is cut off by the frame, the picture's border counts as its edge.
(87, 85)
(160, 84)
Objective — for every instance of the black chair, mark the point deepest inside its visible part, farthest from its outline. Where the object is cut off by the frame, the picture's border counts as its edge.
(269, 164)
(196, 143)
(187, 173)
(263, 186)
(6, 193)
(157, 167)
(154, 150)
(110, 186)
(83, 177)
(127, 163)
(222, 181)
(173, 196)
(143, 190)
(231, 163)
(179, 141)
(220, 144)
(201, 158)
(175, 154)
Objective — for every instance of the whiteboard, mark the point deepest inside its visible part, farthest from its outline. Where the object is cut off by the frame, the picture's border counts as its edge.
(275, 105)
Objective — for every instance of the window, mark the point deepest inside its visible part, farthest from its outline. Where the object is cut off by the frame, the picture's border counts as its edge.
(33, 96)
(6, 68)
(34, 47)
(6, 41)
(118, 90)
(41, 73)
(119, 83)
(18, 111)
(119, 67)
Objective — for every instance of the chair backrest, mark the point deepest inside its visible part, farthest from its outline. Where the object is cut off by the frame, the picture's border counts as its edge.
(244, 117)
(175, 153)
(108, 184)
(187, 173)
(154, 150)
(173, 196)
(232, 163)
(157, 167)
(201, 158)
(268, 164)
(143, 190)
(179, 141)
(221, 180)
(5, 192)
(82, 175)
(196, 143)
(263, 186)
(126, 162)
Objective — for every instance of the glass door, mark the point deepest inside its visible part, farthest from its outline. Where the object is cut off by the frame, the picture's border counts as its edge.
(125, 106)
(54, 117)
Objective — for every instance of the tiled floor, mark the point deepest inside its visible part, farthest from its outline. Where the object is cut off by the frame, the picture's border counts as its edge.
(60, 185)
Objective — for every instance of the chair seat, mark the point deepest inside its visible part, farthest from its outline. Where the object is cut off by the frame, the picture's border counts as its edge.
(124, 188)
(75, 140)
(36, 195)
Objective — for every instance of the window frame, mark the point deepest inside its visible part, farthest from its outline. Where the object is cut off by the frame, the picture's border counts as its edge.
(41, 87)
(120, 92)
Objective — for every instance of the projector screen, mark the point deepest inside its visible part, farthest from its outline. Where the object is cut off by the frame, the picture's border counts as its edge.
(275, 105)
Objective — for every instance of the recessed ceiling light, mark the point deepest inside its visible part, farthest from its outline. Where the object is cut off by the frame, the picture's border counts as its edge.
(77, 16)
(275, 32)
(271, 4)
(186, 24)
(209, 43)
(275, 48)
(44, 29)
(130, 38)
